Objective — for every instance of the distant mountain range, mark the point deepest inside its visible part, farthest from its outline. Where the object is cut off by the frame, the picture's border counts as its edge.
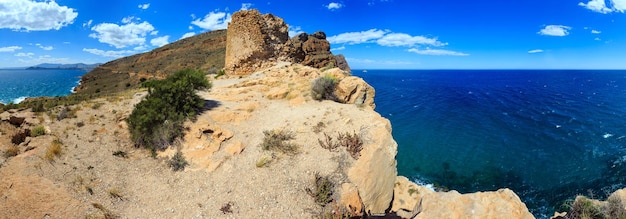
(79, 66)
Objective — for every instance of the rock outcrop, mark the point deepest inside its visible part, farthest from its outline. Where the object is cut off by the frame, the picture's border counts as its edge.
(414, 201)
(256, 41)
(374, 174)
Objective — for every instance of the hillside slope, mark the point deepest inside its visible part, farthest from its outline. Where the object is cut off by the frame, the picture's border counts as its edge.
(204, 51)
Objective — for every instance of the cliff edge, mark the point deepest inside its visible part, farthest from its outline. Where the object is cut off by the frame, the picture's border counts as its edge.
(338, 160)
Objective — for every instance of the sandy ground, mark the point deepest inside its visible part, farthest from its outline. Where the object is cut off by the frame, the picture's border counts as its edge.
(86, 180)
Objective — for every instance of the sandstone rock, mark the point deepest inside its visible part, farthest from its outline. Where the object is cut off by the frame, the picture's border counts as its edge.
(253, 41)
(355, 90)
(349, 198)
(234, 148)
(503, 203)
(374, 173)
(342, 63)
(405, 198)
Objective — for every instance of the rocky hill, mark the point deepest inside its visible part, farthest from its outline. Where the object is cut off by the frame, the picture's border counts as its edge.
(204, 51)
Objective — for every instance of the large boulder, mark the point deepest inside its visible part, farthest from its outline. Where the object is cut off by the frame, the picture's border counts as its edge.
(354, 90)
(374, 173)
(503, 203)
(254, 41)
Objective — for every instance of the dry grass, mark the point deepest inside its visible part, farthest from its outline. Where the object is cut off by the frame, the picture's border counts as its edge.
(54, 150)
(115, 193)
(278, 140)
(11, 151)
(352, 142)
(263, 162)
(107, 213)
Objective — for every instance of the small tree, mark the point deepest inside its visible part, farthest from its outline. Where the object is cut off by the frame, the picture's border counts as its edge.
(157, 120)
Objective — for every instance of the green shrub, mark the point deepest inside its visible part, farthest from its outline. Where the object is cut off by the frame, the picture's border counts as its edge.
(97, 105)
(279, 141)
(37, 131)
(220, 73)
(157, 120)
(38, 107)
(584, 208)
(178, 162)
(323, 88)
(323, 190)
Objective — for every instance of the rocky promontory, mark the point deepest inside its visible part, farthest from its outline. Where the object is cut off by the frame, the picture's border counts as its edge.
(340, 161)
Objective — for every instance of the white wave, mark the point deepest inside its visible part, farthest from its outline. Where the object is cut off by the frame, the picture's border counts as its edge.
(18, 100)
(422, 183)
(607, 135)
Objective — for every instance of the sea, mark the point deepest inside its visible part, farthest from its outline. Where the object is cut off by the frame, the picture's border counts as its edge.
(19, 84)
(548, 135)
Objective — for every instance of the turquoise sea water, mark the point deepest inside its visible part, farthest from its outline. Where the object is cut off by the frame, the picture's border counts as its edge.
(547, 135)
(18, 84)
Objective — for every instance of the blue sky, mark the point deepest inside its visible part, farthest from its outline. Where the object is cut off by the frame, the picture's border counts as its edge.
(372, 34)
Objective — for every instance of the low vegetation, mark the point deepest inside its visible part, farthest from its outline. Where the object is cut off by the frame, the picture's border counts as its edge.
(227, 208)
(279, 140)
(323, 190)
(585, 208)
(351, 141)
(178, 162)
(323, 88)
(121, 154)
(38, 131)
(157, 120)
(11, 151)
(54, 150)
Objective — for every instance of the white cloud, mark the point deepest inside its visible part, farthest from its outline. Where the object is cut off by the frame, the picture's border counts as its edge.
(130, 19)
(402, 39)
(10, 48)
(555, 30)
(213, 21)
(535, 51)
(47, 48)
(597, 39)
(27, 15)
(357, 37)
(144, 6)
(338, 48)
(334, 6)
(110, 53)
(160, 41)
(596, 31)
(600, 6)
(21, 54)
(186, 35)
(437, 52)
(88, 23)
(295, 30)
(122, 36)
(246, 6)
(619, 5)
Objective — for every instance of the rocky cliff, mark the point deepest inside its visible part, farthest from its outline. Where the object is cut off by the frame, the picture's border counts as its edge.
(256, 41)
(99, 173)
(372, 182)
